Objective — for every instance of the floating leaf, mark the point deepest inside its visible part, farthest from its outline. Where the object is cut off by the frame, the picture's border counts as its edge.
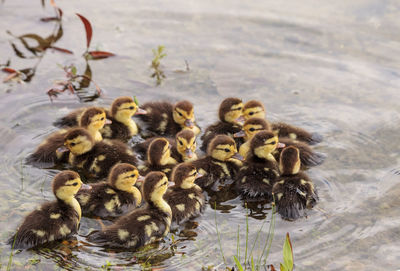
(100, 54)
(88, 29)
(9, 70)
(62, 50)
(136, 100)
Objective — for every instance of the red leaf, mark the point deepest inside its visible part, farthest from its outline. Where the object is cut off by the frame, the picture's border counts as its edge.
(71, 88)
(100, 54)
(88, 29)
(9, 70)
(62, 50)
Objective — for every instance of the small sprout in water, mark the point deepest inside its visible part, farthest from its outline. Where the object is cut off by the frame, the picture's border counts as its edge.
(155, 64)
(136, 100)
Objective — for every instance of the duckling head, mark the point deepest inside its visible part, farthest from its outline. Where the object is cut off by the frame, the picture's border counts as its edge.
(289, 161)
(230, 111)
(183, 114)
(123, 176)
(223, 148)
(186, 144)
(184, 175)
(154, 187)
(123, 108)
(66, 184)
(159, 153)
(253, 109)
(78, 141)
(251, 127)
(93, 119)
(263, 144)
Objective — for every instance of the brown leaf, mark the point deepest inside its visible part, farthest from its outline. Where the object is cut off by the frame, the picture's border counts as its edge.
(88, 29)
(71, 88)
(9, 70)
(100, 54)
(62, 50)
(49, 19)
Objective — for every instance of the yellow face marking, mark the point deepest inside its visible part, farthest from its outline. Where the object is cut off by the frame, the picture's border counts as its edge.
(234, 113)
(157, 195)
(69, 189)
(166, 158)
(254, 112)
(79, 145)
(180, 207)
(122, 234)
(143, 218)
(55, 216)
(250, 130)
(268, 147)
(97, 122)
(124, 115)
(182, 144)
(126, 180)
(223, 152)
(188, 182)
(244, 149)
(180, 116)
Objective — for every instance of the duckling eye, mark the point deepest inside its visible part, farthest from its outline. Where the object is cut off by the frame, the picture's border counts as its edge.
(180, 114)
(131, 107)
(240, 108)
(102, 118)
(132, 176)
(227, 150)
(75, 184)
(180, 142)
(273, 142)
(251, 113)
(252, 129)
(72, 144)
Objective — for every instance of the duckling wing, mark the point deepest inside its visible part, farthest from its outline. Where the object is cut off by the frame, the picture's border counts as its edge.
(52, 221)
(184, 203)
(69, 120)
(293, 132)
(219, 128)
(47, 150)
(159, 118)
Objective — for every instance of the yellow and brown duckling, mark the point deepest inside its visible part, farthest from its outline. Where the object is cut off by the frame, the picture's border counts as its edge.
(96, 157)
(158, 158)
(185, 197)
(112, 198)
(92, 119)
(260, 170)
(183, 148)
(52, 220)
(294, 191)
(230, 121)
(144, 225)
(222, 161)
(121, 126)
(166, 119)
(252, 126)
(256, 109)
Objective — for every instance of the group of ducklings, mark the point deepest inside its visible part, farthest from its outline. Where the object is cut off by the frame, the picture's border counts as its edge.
(93, 141)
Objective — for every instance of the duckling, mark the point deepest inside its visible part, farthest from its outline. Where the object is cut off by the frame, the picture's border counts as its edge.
(309, 158)
(251, 127)
(96, 157)
(256, 109)
(121, 126)
(54, 220)
(260, 171)
(185, 197)
(144, 225)
(114, 197)
(166, 119)
(294, 191)
(158, 158)
(183, 148)
(230, 121)
(222, 161)
(92, 119)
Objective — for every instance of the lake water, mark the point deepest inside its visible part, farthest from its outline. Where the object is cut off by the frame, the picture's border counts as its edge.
(331, 68)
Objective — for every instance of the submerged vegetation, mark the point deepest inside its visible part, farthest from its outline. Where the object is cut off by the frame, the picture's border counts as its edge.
(158, 54)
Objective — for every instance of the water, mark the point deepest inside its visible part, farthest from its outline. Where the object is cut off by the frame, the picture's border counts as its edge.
(332, 68)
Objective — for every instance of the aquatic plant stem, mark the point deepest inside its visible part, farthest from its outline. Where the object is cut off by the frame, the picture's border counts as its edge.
(10, 259)
(247, 237)
(270, 237)
(255, 241)
(219, 237)
(238, 244)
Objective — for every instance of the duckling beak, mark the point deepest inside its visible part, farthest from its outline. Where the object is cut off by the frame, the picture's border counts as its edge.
(108, 121)
(86, 186)
(198, 175)
(62, 149)
(171, 184)
(189, 123)
(280, 145)
(238, 156)
(240, 120)
(140, 111)
(140, 179)
(239, 134)
(188, 153)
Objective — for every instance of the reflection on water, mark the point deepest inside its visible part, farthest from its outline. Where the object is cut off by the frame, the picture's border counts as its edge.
(330, 68)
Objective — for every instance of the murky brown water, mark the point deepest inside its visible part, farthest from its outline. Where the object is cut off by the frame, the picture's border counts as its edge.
(331, 68)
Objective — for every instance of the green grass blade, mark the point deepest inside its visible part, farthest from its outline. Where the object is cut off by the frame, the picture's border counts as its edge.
(10, 259)
(247, 237)
(219, 237)
(288, 253)
(238, 244)
(239, 266)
